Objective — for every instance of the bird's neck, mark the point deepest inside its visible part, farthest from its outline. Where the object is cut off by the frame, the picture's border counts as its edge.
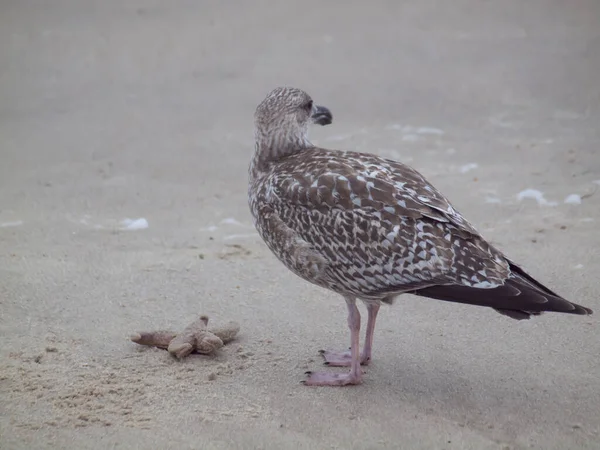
(272, 146)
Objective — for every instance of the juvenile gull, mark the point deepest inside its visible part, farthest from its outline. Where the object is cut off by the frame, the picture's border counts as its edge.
(370, 228)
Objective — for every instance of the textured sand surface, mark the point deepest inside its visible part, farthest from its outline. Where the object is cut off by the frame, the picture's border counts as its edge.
(110, 113)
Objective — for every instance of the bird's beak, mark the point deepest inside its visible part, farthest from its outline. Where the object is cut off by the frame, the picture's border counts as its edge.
(321, 115)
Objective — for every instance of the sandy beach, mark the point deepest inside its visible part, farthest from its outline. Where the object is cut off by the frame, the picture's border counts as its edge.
(126, 130)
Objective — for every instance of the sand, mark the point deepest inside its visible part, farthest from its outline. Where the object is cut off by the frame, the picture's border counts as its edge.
(125, 135)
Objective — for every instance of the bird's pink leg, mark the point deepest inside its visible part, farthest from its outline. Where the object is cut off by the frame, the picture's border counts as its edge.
(355, 374)
(344, 358)
(373, 309)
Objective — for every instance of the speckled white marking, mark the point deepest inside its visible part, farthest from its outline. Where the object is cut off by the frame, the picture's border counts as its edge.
(578, 266)
(134, 224)
(468, 167)
(573, 199)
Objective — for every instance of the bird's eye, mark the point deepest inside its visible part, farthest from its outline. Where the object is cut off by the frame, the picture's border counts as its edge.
(309, 106)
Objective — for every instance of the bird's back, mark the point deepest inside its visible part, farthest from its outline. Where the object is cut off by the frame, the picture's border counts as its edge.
(379, 225)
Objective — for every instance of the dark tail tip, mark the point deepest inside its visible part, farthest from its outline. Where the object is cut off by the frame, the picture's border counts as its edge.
(582, 310)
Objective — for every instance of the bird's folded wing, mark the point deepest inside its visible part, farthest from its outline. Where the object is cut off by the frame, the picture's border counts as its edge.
(381, 219)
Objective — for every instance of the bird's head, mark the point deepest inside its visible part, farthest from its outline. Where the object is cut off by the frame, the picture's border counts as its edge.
(283, 117)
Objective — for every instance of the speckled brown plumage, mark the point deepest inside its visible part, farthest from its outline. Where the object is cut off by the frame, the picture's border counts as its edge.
(370, 228)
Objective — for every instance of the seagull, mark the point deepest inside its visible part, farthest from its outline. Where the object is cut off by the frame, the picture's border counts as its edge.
(371, 229)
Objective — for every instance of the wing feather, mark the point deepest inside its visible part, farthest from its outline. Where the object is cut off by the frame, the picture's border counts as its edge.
(381, 226)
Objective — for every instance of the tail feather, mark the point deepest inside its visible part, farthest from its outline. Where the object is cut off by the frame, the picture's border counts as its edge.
(520, 297)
